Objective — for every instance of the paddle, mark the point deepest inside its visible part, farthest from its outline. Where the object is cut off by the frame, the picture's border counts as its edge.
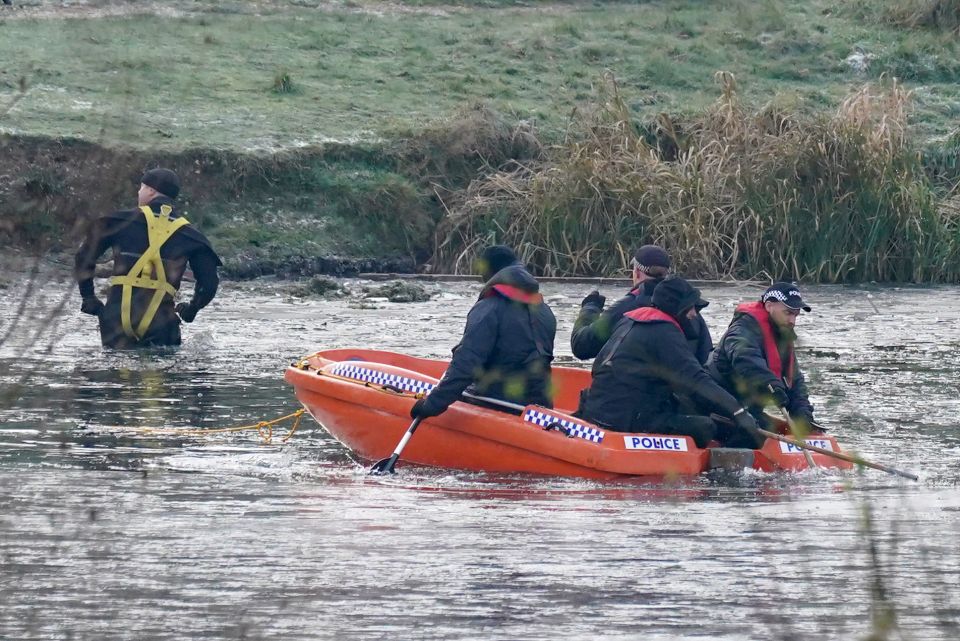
(495, 401)
(385, 466)
(856, 460)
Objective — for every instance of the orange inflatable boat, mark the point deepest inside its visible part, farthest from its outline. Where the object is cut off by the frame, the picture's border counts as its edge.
(363, 398)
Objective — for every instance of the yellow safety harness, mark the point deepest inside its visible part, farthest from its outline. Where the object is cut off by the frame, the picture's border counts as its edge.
(148, 272)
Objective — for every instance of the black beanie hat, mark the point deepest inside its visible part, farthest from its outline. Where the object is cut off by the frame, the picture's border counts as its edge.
(495, 258)
(651, 256)
(163, 180)
(675, 296)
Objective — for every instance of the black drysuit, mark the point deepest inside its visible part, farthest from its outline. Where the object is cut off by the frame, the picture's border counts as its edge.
(507, 345)
(593, 327)
(125, 232)
(740, 365)
(638, 376)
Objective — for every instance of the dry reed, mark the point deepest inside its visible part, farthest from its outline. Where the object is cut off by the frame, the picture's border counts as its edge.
(731, 194)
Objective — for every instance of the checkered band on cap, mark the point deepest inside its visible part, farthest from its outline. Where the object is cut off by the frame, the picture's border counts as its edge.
(572, 428)
(777, 294)
(376, 377)
(644, 268)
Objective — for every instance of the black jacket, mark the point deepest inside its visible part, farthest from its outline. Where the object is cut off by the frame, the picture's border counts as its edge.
(638, 372)
(506, 349)
(593, 327)
(125, 232)
(739, 364)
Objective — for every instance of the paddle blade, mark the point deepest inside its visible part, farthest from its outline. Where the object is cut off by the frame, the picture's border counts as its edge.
(384, 466)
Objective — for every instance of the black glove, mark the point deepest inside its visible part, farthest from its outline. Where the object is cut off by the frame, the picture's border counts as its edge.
(745, 421)
(91, 305)
(805, 421)
(594, 298)
(779, 396)
(421, 410)
(187, 312)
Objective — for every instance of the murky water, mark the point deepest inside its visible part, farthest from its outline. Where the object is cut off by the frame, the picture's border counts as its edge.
(108, 531)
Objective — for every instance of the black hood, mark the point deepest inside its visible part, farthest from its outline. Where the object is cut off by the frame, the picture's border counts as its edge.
(515, 275)
(646, 287)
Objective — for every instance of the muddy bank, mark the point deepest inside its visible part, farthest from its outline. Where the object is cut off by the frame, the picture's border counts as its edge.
(338, 209)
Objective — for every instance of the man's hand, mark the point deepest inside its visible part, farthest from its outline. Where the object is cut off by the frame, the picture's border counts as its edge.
(91, 305)
(745, 421)
(421, 410)
(186, 311)
(779, 396)
(805, 422)
(594, 298)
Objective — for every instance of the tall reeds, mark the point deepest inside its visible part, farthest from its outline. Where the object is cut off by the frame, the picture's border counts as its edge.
(730, 193)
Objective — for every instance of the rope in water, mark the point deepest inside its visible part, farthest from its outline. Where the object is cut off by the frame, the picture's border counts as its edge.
(264, 428)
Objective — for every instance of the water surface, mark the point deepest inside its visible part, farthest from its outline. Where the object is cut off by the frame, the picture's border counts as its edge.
(109, 531)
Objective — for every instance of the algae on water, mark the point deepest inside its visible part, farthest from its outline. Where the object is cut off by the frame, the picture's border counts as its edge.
(320, 286)
(397, 291)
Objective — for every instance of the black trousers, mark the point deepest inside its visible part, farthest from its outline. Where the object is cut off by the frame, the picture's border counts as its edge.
(701, 428)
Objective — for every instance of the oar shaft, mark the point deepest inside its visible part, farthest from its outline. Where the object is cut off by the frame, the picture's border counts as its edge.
(406, 438)
(385, 466)
(797, 443)
(838, 455)
(494, 401)
(856, 460)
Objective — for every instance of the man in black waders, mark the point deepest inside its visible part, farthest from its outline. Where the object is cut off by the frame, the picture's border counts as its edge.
(647, 364)
(151, 248)
(756, 360)
(507, 345)
(650, 265)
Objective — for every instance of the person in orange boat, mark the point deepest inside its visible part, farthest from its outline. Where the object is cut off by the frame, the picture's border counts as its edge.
(507, 345)
(650, 265)
(756, 360)
(151, 245)
(646, 365)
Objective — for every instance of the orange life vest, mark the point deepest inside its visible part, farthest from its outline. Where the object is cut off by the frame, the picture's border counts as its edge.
(516, 294)
(649, 314)
(757, 311)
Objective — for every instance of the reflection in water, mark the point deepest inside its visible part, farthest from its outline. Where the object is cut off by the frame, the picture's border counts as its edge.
(107, 531)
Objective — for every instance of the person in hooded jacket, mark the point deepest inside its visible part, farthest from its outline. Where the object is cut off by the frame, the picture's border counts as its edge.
(507, 345)
(647, 364)
(756, 360)
(594, 325)
(152, 246)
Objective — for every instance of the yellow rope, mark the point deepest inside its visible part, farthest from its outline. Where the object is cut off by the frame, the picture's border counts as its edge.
(264, 428)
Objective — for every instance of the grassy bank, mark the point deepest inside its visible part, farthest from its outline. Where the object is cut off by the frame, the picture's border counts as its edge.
(330, 209)
(312, 132)
(279, 74)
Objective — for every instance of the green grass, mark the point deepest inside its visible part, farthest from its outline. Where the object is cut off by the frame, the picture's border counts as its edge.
(217, 75)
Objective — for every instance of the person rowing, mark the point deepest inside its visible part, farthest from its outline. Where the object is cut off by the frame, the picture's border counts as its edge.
(756, 359)
(647, 364)
(594, 324)
(507, 345)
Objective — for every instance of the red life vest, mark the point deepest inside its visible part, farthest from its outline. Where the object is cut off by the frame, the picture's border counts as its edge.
(649, 314)
(516, 294)
(757, 311)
